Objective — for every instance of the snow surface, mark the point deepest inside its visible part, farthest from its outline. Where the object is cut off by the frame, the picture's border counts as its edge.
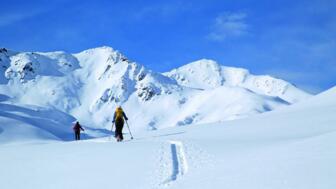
(90, 84)
(292, 147)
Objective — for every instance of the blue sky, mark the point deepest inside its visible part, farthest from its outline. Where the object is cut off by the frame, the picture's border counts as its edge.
(292, 40)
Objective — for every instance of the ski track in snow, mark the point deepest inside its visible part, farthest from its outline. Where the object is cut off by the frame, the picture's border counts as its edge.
(179, 164)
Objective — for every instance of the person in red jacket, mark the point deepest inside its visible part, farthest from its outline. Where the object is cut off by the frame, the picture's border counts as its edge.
(77, 129)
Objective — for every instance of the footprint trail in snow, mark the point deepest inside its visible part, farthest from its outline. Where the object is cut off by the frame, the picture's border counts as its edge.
(179, 164)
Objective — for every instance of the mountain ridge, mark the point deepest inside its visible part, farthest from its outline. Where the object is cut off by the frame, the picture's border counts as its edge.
(209, 74)
(91, 83)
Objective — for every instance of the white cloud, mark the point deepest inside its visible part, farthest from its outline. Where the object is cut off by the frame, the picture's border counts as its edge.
(229, 25)
(10, 18)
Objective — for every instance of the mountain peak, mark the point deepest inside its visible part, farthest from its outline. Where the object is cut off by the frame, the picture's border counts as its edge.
(203, 61)
(208, 74)
(202, 64)
(203, 74)
(101, 58)
(101, 48)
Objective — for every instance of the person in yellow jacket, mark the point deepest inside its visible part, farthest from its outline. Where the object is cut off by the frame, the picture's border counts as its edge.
(118, 120)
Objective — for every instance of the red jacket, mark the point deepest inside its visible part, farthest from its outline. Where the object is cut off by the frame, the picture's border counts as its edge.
(77, 128)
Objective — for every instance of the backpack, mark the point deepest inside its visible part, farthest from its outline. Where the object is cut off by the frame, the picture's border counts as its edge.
(119, 113)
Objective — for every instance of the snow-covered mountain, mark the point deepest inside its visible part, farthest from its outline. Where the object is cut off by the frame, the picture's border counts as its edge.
(90, 84)
(208, 74)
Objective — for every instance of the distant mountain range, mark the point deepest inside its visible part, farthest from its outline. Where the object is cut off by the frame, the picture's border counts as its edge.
(90, 84)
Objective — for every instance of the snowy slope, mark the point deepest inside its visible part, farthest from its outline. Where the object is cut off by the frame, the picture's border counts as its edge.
(293, 147)
(90, 84)
(31, 124)
(208, 74)
(290, 148)
(19, 123)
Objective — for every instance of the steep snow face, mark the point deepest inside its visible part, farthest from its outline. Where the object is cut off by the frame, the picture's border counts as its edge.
(119, 76)
(208, 74)
(90, 84)
(109, 79)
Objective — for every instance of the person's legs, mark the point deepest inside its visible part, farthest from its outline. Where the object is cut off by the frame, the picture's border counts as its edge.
(115, 132)
(121, 134)
(119, 126)
(118, 132)
(77, 135)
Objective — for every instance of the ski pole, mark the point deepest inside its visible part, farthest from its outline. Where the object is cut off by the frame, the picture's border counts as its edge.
(83, 134)
(111, 130)
(129, 130)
